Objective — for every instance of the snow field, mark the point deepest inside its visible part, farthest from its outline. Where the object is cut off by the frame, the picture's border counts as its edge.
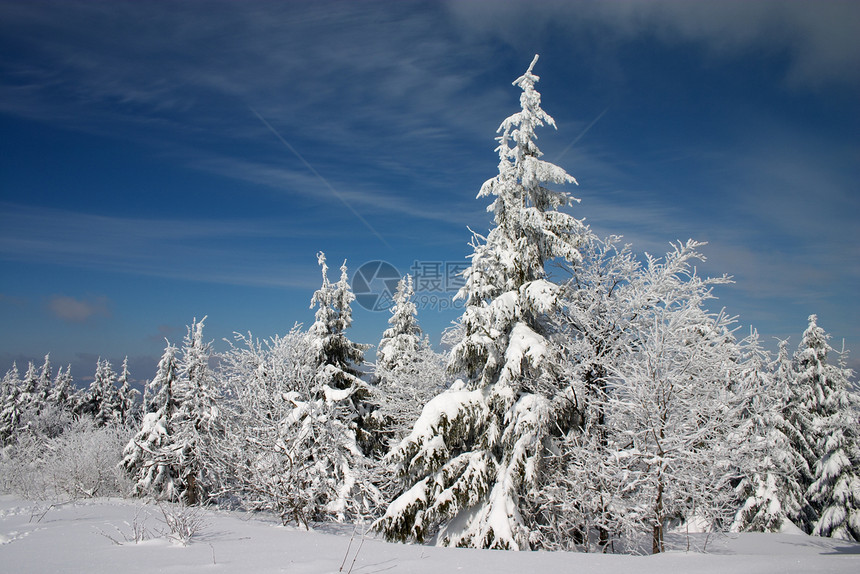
(93, 537)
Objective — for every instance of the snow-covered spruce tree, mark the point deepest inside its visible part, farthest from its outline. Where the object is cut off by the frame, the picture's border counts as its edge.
(45, 380)
(338, 358)
(476, 450)
(63, 389)
(150, 457)
(773, 494)
(400, 342)
(196, 418)
(798, 429)
(104, 400)
(408, 372)
(47, 416)
(835, 490)
(10, 405)
(33, 395)
(29, 400)
(339, 407)
(129, 407)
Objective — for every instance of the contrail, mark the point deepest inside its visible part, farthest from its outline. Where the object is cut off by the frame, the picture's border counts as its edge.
(325, 182)
(582, 134)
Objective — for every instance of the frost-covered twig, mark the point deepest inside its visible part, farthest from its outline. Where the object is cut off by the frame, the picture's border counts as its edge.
(184, 522)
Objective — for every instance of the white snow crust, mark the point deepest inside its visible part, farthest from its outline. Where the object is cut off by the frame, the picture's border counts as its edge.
(36, 537)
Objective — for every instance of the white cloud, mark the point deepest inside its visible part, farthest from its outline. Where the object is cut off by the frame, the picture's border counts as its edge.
(821, 39)
(78, 310)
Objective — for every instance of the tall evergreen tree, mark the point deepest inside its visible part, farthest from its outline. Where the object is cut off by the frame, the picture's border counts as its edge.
(166, 457)
(45, 380)
(774, 492)
(128, 403)
(10, 407)
(800, 431)
(150, 456)
(400, 342)
(12, 378)
(105, 399)
(63, 388)
(477, 450)
(30, 396)
(339, 408)
(835, 490)
(196, 417)
(338, 358)
(337, 377)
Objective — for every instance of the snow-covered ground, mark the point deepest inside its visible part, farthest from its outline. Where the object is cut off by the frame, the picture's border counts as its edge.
(97, 536)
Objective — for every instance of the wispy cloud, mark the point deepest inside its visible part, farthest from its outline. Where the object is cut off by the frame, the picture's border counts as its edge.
(323, 180)
(182, 79)
(210, 60)
(369, 201)
(391, 115)
(237, 252)
(773, 225)
(779, 213)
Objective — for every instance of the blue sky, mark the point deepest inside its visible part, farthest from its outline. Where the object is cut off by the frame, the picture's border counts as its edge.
(161, 161)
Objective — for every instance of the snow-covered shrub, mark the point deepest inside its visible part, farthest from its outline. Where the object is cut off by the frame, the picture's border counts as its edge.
(49, 422)
(82, 462)
(21, 466)
(183, 522)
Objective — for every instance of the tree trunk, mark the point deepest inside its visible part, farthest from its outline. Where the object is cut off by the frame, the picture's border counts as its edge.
(657, 541)
(191, 491)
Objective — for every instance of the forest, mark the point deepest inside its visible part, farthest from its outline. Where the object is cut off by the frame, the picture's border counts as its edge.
(587, 400)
